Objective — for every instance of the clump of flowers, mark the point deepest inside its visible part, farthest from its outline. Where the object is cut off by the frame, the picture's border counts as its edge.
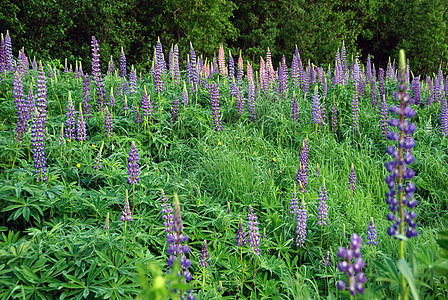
(167, 213)
(352, 266)
(301, 224)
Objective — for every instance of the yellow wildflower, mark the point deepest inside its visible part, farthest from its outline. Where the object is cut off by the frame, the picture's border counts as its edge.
(78, 165)
(219, 143)
(274, 160)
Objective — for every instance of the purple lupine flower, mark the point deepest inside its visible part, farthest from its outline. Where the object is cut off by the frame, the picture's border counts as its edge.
(254, 239)
(251, 97)
(174, 110)
(204, 259)
(125, 105)
(146, 105)
(326, 261)
(111, 67)
(302, 173)
(443, 117)
(283, 77)
(294, 108)
(400, 192)
(175, 248)
(352, 179)
(24, 64)
(126, 214)
(133, 167)
(194, 75)
(50, 72)
(157, 76)
(167, 213)
(9, 62)
(294, 204)
(430, 98)
(231, 75)
(214, 99)
(373, 99)
(371, 233)
(111, 98)
(322, 211)
(70, 124)
(416, 94)
(176, 70)
(160, 58)
(96, 74)
(241, 235)
(98, 159)
(122, 64)
(384, 113)
(355, 110)
(133, 81)
(21, 105)
(38, 125)
(86, 96)
(138, 116)
(108, 124)
(352, 266)
(317, 173)
(317, 115)
(301, 224)
(34, 64)
(324, 89)
(81, 128)
(334, 116)
(184, 99)
(240, 100)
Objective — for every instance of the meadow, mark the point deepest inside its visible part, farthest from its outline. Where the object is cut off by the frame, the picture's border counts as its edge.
(210, 178)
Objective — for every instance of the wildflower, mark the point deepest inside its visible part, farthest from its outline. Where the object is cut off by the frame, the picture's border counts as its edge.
(254, 239)
(167, 213)
(133, 167)
(205, 256)
(371, 233)
(326, 261)
(322, 211)
(353, 269)
(219, 144)
(175, 249)
(352, 179)
(241, 235)
(106, 225)
(400, 196)
(78, 165)
(301, 224)
(126, 212)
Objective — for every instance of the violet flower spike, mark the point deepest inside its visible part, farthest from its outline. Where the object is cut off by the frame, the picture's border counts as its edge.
(322, 211)
(241, 235)
(204, 258)
(167, 213)
(352, 266)
(254, 234)
(126, 214)
(133, 167)
(371, 233)
(301, 224)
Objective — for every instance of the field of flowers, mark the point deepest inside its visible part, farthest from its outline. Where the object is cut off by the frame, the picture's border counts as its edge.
(213, 178)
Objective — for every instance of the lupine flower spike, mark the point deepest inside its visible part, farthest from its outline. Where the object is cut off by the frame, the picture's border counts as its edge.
(400, 194)
(133, 170)
(371, 233)
(204, 260)
(322, 211)
(97, 162)
(326, 260)
(254, 234)
(301, 223)
(81, 128)
(126, 212)
(175, 249)
(352, 266)
(167, 213)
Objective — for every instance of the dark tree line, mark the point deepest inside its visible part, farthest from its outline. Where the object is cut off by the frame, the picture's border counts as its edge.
(62, 28)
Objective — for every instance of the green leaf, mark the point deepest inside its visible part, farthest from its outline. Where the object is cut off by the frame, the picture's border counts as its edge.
(407, 273)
